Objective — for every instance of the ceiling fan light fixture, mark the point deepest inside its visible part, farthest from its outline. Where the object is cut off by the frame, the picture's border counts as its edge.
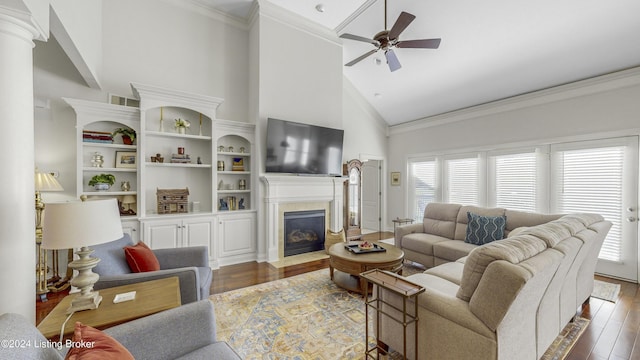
(386, 40)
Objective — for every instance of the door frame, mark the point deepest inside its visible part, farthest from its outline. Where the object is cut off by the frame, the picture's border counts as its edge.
(384, 226)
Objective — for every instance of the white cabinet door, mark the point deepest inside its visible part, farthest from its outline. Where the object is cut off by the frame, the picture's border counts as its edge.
(131, 227)
(198, 232)
(237, 234)
(162, 234)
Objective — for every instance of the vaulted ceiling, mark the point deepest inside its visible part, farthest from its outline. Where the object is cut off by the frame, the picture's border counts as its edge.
(490, 50)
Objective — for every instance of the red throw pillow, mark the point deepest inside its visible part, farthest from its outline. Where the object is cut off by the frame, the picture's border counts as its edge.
(89, 344)
(141, 258)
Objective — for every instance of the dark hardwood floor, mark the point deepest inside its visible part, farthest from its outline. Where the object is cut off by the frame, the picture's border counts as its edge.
(612, 334)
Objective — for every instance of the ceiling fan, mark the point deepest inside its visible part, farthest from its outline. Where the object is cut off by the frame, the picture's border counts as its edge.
(388, 39)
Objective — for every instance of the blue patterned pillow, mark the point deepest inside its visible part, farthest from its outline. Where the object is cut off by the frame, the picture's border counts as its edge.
(484, 229)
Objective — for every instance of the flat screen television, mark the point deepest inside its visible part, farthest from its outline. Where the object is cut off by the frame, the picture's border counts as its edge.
(296, 148)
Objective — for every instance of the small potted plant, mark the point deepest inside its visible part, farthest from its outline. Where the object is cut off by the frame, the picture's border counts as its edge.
(102, 182)
(181, 125)
(128, 135)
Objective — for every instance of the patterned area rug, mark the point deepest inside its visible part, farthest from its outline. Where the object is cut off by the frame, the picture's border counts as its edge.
(309, 317)
(301, 317)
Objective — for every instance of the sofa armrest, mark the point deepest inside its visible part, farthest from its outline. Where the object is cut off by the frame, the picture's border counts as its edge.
(173, 258)
(187, 276)
(403, 230)
(168, 334)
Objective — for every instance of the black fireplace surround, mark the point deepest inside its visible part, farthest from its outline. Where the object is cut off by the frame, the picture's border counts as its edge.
(303, 231)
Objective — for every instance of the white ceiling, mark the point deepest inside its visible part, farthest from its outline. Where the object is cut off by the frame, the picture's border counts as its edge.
(490, 50)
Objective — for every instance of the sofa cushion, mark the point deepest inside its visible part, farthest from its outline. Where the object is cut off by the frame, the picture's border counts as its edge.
(112, 259)
(141, 258)
(513, 250)
(484, 229)
(516, 219)
(450, 271)
(421, 242)
(100, 346)
(452, 250)
(440, 219)
(462, 219)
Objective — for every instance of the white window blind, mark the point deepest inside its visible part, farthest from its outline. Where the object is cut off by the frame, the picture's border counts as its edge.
(423, 180)
(461, 179)
(591, 180)
(514, 181)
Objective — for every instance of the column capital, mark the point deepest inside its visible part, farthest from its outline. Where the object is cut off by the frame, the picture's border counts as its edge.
(21, 24)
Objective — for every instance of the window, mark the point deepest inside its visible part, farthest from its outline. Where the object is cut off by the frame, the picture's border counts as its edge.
(513, 181)
(423, 181)
(462, 181)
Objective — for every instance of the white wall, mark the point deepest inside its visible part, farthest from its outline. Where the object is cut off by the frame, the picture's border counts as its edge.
(300, 75)
(600, 108)
(365, 132)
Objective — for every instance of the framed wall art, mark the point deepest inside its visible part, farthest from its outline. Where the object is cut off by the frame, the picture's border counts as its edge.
(395, 178)
(126, 159)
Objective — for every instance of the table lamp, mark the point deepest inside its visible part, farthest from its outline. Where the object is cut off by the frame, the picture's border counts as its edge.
(80, 224)
(44, 182)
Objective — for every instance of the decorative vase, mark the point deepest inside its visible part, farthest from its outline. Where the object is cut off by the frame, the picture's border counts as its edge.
(127, 140)
(97, 159)
(125, 186)
(101, 187)
(182, 130)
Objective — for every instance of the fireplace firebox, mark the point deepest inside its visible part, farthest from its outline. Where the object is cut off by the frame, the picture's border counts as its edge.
(303, 231)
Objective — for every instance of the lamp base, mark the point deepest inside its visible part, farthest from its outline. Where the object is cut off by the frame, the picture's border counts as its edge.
(82, 302)
(87, 299)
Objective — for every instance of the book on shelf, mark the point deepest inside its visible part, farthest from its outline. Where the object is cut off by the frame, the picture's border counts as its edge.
(238, 164)
(96, 136)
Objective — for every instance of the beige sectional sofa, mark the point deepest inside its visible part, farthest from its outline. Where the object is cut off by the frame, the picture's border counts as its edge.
(507, 299)
(440, 237)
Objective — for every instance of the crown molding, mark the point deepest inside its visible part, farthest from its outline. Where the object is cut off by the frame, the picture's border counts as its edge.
(211, 12)
(294, 20)
(353, 16)
(598, 84)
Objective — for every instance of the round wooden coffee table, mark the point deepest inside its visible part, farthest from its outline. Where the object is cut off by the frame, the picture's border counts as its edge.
(349, 266)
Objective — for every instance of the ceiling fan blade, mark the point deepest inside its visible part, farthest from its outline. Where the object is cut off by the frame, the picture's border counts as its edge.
(403, 21)
(392, 60)
(360, 58)
(421, 44)
(360, 38)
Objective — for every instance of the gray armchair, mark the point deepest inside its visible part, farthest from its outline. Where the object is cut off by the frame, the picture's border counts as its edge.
(185, 332)
(189, 264)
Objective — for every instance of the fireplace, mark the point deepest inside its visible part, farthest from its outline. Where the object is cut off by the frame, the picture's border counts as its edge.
(303, 231)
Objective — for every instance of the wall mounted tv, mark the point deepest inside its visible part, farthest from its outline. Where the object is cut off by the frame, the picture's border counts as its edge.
(297, 148)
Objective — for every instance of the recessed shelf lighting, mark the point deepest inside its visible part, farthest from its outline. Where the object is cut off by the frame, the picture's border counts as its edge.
(320, 8)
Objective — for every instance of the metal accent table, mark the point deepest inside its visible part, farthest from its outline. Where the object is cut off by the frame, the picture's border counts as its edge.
(404, 288)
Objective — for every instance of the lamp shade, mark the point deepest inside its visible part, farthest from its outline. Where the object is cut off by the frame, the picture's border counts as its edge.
(81, 223)
(46, 182)
(128, 199)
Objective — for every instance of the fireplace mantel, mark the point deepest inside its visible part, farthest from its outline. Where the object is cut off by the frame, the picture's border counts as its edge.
(282, 190)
